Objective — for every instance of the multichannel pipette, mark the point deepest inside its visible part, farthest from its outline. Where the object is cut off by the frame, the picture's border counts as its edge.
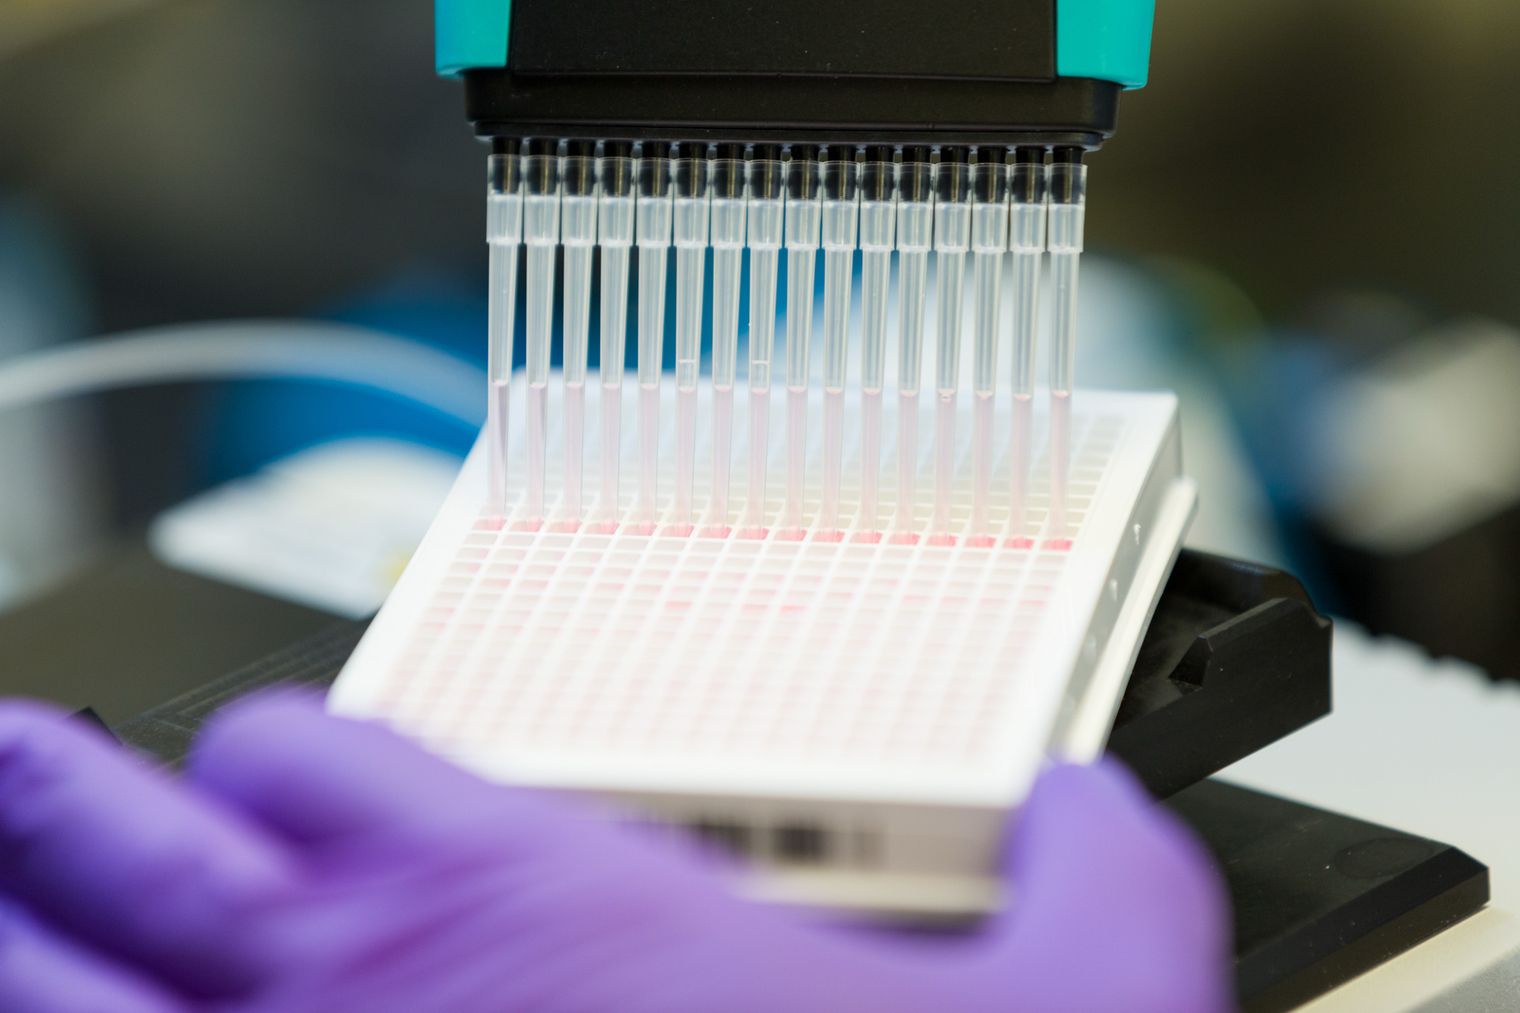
(862, 670)
(929, 209)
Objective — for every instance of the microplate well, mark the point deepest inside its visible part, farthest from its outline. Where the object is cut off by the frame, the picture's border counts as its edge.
(857, 717)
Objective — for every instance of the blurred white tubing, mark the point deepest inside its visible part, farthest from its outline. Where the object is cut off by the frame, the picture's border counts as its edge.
(249, 349)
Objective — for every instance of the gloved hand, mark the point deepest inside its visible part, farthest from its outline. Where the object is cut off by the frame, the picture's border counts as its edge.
(313, 863)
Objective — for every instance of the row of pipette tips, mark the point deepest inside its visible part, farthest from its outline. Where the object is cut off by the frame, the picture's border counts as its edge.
(610, 198)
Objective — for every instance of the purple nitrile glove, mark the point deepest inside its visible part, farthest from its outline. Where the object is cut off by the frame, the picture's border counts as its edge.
(313, 863)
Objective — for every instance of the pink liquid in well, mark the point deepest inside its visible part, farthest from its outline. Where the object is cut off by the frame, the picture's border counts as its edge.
(497, 428)
(538, 419)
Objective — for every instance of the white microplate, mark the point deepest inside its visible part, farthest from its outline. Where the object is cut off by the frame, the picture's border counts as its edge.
(885, 704)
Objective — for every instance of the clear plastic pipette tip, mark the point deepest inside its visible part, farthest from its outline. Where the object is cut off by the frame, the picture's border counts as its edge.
(729, 185)
(840, 185)
(504, 236)
(615, 233)
(763, 227)
(1026, 244)
(989, 238)
(653, 234)
(578, 209)
(690, 216)
(803, 220)
(952, 238)
(1068, 199)
(878, 223)
(541, 220)
(915, 239)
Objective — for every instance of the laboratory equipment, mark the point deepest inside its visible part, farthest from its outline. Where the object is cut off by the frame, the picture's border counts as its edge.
(579, 204)
(691, 218)
(913, 151)
(1068, 200)
(504, 235)
(904, 694)
(614, 223)
(764, 228)
(874, 90)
